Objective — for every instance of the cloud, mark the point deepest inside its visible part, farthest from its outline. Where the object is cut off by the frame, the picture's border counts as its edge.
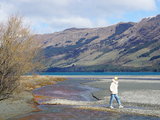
(72, 21)
(53, 15)
(5, 11)
(110, 7)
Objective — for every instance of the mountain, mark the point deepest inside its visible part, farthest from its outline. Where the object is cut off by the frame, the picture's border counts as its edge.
(121, 47)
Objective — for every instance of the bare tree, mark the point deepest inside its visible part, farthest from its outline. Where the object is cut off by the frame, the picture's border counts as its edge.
(18, 51)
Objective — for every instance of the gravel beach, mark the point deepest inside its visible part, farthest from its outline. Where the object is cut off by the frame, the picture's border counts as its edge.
(21, 102)
(139, 94)
(17, 105)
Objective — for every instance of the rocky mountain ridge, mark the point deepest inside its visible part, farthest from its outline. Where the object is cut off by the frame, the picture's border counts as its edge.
(120, 47)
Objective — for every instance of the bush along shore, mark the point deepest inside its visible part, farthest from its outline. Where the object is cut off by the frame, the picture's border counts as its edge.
(21, 101)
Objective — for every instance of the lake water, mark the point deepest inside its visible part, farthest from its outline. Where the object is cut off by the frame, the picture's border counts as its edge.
(100, 73)
(72, 89)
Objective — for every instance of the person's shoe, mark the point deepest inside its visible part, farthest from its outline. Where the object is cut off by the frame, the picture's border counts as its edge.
(111, 107)
(120, 106)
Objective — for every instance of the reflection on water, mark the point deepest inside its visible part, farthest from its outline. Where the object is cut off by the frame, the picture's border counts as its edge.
(57, 112)
(69, 90)
(72, 90)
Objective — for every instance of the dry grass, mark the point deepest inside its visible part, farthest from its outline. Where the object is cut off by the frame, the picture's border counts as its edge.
(23, 101)
(36, 81)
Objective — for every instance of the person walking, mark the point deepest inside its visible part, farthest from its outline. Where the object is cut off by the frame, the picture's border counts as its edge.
(114, 93)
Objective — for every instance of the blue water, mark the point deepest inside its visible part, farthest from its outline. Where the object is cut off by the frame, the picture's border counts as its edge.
(100, 73)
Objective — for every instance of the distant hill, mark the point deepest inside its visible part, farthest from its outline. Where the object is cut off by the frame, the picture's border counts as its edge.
(120, 47)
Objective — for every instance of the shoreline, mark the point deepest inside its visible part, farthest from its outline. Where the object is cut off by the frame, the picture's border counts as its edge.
(106, 76)
(133, 94)
(22, 100)
(23, 103)
(138, 96)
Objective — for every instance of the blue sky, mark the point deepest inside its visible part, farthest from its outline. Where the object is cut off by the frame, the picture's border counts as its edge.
(48, 16)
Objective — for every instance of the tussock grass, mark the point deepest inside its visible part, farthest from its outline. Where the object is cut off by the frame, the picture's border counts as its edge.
(36, 81)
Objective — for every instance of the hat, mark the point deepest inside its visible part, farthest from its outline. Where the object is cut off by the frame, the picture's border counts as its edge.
(115, 78)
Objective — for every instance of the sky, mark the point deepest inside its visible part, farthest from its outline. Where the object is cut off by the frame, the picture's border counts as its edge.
(48, 16)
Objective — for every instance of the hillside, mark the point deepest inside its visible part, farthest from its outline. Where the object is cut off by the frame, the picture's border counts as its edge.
(120, 47)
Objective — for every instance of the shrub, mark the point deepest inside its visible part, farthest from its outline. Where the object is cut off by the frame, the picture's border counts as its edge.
(17, 54)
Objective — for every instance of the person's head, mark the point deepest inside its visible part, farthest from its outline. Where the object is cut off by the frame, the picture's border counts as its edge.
(115, 79)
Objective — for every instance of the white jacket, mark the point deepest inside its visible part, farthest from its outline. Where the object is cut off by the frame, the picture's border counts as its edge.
(114, 87)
